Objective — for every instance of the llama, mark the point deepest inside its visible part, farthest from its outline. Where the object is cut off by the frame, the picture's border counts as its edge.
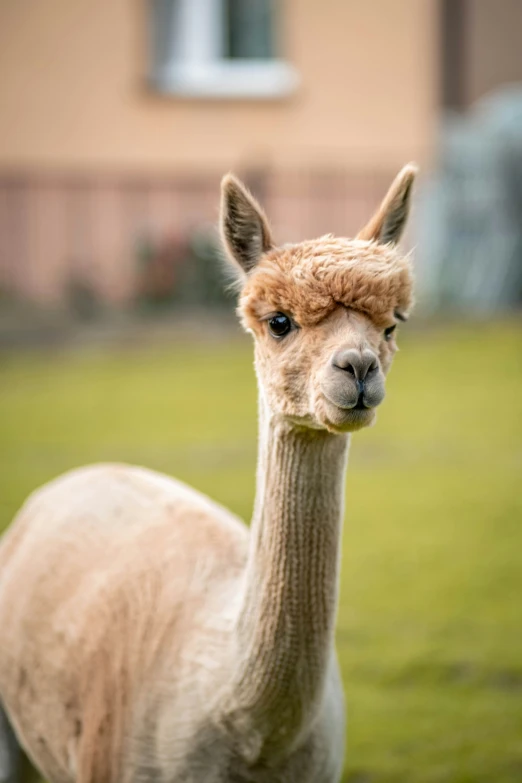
(146, 634)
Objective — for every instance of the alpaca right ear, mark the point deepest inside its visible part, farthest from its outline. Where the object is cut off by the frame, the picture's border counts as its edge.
(388, 223)
(244, 227)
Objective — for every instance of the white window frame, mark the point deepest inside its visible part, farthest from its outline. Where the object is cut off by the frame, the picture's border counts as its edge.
(199, 69)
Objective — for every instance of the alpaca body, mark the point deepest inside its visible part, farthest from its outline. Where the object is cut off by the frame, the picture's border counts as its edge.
(131, 582)
(147, 635)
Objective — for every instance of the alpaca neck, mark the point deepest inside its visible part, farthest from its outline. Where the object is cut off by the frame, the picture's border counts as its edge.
(286, 621)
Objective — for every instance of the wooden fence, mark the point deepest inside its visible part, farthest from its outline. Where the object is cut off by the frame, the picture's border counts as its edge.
(57, 228)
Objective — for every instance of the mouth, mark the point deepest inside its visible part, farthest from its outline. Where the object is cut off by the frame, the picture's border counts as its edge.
(339, 419)
(360, 405)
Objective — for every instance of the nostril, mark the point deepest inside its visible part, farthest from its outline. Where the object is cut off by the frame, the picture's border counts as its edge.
(356, 363)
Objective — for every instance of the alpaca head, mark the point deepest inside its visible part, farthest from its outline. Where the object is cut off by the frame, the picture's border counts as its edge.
(323, 312)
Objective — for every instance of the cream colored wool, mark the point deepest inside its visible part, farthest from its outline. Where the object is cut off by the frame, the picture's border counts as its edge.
(146, 634)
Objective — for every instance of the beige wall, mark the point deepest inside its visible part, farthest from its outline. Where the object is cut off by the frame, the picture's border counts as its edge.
(73, 92)
(493, 46)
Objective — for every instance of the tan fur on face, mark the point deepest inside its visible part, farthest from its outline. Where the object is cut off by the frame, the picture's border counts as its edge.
(293, 371)
(341, 295)
(308, 281)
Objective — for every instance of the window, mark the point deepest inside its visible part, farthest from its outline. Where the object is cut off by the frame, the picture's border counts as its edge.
(218, 48)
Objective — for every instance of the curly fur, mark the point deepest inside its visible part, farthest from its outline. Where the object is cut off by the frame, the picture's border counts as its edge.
(309, 280)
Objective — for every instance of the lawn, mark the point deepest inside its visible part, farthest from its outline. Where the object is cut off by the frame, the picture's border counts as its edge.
(430, 619)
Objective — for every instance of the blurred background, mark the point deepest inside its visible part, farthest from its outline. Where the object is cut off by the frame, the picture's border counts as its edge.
(118, 339)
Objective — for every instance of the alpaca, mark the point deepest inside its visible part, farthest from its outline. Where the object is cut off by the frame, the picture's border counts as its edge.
(146, 634)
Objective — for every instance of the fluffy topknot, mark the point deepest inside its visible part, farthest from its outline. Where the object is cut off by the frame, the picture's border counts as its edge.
(308, 280)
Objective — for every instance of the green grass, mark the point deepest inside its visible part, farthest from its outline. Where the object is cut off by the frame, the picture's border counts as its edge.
(430, 619)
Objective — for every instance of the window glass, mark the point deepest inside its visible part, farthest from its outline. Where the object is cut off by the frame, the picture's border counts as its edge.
(248, 29)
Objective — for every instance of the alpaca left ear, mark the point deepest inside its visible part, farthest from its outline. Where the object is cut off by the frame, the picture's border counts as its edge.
(244, 227)
(388, 223)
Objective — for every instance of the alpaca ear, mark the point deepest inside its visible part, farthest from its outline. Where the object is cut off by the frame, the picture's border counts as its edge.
(244, 227)
(388, 223)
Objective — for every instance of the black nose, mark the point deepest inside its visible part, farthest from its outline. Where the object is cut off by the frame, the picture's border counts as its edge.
(357, 363)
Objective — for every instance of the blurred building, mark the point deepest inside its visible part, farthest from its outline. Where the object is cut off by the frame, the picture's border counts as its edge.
(118, 117)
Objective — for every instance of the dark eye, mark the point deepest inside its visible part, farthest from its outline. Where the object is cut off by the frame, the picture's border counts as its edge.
(279, 324)
(389, 331)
